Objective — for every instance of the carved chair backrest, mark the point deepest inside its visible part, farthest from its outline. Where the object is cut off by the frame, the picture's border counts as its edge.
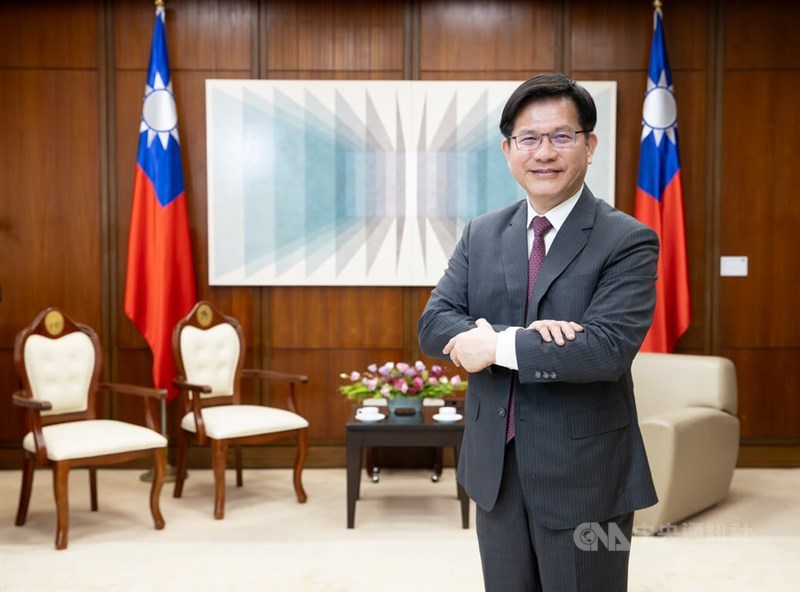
(209, 350)
(59, 360)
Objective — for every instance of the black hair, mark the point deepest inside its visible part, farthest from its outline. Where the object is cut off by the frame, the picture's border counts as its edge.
(544, 87)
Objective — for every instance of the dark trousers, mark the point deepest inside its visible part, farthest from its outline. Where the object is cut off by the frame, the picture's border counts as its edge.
(520, 555)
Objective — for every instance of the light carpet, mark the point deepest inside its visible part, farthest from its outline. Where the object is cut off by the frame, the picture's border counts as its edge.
(408, 536)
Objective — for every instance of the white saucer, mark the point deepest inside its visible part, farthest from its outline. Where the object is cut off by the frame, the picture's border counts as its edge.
(446, 418)
(371, 418)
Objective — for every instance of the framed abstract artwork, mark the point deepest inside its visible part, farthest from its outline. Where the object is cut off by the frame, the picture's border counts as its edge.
(365, 183)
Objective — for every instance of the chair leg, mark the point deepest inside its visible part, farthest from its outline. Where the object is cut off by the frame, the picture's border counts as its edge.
(219, 453)
(28, 467)
(93, 487)
(180, 461)
(60, 482)
(238, 458)
(159, 470)
(299, 463)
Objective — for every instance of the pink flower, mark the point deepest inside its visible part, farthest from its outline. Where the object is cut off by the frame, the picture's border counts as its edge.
(456, 381)
(419, 366)
(372, 384)
(354, 376)
(372, 367)
(402, 367)
(436, 371)
(385, 390)
(418, 384)
(433, 381)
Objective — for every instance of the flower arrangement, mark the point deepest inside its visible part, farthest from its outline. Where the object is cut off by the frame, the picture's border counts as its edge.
(400, 380)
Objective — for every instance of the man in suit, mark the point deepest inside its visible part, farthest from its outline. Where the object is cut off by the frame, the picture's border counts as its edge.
(552, 451)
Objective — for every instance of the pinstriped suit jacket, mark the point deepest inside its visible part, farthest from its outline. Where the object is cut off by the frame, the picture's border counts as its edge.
(579, 448)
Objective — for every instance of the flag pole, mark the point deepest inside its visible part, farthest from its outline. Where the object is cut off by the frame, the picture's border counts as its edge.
(171, 471)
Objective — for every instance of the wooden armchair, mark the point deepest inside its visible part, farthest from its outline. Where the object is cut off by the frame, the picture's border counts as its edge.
(209, 353)
(58, 362)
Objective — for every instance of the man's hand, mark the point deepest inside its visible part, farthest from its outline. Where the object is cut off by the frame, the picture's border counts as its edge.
(556, 330)
(473, 349)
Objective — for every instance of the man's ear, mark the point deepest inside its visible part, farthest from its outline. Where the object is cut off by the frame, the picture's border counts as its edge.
(506, 146)
(591, 145)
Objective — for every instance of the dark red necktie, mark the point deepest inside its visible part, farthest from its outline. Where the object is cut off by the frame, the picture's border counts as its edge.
(540, 227)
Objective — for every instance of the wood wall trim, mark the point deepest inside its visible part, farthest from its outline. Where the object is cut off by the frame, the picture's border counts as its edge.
(716, 40)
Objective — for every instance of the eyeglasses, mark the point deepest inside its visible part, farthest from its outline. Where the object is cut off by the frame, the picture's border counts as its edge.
(563, 139)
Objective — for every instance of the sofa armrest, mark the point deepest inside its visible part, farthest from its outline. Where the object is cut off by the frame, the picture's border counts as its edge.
(692, 454)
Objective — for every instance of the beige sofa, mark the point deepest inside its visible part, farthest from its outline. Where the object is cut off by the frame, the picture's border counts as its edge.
(687, 414)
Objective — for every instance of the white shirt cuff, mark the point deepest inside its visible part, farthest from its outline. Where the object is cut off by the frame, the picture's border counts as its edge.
(506, 350)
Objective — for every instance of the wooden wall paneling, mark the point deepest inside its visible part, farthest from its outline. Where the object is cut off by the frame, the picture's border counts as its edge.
(758, 34)
(50, 186)
(349, 317)
(487, 36)
(609, 35)
(335, 75)
(758, 324)
(12, 418)
(335, 36)
(760, 214)
(769, 391)
(520, 75)
(48, 34)
(201, 35)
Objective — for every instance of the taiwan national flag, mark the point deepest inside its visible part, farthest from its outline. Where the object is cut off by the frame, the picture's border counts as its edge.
(659, 199)
(160, 284)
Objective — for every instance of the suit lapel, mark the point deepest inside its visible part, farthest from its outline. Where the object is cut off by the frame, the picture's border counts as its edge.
(515, 260)
(570, 240)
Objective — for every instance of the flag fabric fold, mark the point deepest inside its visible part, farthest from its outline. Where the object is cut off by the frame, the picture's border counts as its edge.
(659, 198)
(160, 281)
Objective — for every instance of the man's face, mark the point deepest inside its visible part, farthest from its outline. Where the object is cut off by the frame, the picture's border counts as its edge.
(549, 175)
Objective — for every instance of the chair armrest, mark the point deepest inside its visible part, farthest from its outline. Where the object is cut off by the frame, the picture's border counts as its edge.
(34, 422)
(130, 389)
(21, 401)
(140, 391)
(195, 405)
(273, 375)
(692, 454)
(188, 386)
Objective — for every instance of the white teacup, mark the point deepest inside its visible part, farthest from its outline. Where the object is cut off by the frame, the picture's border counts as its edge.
(367, 412)
(447, 410)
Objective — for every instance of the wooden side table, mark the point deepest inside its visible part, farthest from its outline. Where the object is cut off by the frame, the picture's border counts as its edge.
(404, 431)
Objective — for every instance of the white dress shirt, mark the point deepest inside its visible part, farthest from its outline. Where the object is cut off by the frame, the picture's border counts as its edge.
(506, 350)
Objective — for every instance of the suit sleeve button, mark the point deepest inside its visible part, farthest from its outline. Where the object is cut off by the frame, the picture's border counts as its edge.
(553, 375)
(537, 374)
(501, 412)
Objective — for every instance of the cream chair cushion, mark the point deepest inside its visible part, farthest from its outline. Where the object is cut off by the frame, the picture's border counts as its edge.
(94, 437)
(210, 357)
(236, 421)
(60, 370)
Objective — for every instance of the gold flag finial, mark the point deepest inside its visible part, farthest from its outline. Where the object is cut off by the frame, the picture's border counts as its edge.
(159, 3)
(656, 4)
